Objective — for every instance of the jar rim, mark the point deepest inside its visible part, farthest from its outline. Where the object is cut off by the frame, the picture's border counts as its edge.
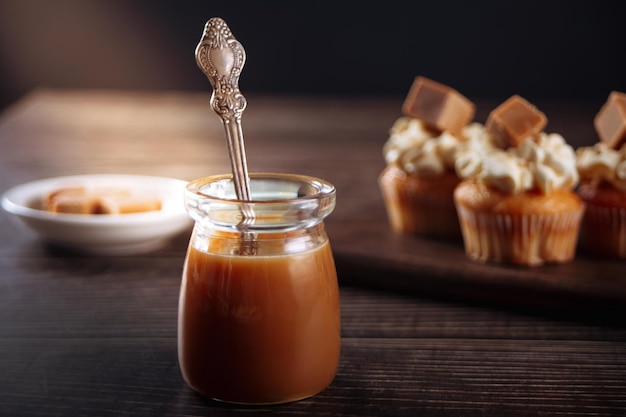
(279, 202)
(317, 187)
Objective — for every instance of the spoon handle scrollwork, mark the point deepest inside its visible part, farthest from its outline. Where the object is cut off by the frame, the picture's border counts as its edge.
(221, 57)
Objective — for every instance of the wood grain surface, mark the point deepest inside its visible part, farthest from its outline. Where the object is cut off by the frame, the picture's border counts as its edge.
(425, 331)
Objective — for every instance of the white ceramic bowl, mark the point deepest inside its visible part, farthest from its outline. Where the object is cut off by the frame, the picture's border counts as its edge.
(104, 234)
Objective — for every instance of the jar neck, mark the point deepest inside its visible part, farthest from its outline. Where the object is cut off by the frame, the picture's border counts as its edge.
(279, 202)
(215, 240)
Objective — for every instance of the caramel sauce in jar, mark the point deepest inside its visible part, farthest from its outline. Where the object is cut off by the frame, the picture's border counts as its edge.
(259, 310)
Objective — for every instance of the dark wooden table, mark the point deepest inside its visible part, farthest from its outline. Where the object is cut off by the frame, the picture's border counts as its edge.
(425, 331)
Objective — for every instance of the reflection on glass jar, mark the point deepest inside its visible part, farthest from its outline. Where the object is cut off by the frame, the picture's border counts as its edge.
(259, 316)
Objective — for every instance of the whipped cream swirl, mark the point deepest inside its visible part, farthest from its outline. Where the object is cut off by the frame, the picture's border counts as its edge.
(600, 163)
(546, 164)
(418, 151)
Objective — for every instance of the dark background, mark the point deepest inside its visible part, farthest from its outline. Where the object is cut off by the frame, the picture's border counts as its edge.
(542, 50)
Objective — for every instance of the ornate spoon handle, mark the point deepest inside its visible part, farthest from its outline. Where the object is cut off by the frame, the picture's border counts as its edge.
(221, 58)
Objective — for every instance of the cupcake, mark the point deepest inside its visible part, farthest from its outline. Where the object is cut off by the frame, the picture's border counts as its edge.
(516, 203)
(602, 169)
(419, 178)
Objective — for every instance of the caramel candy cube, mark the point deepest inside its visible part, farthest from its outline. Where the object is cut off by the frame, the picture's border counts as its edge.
(440, 107)
(70, 200)
(514, 121)
(610, 122)
(125, 205)
(79, 200)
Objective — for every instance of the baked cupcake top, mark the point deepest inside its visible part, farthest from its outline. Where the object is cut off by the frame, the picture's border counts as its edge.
(605, 162)
(601, 163)
(424, 140)
(519, 160)
(419, 151)
(545, 164)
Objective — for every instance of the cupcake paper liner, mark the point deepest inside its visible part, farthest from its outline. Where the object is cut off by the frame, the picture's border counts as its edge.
(521, 239)
(422, 213)
(603, 231)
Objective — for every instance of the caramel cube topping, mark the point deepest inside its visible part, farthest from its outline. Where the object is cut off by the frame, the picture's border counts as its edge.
(440, 107)
(610, 122)
(514, 121)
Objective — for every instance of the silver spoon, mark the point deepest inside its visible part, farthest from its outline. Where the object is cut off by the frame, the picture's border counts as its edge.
(221, 58)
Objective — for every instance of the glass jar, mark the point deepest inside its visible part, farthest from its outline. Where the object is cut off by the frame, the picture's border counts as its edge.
(259, 316)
